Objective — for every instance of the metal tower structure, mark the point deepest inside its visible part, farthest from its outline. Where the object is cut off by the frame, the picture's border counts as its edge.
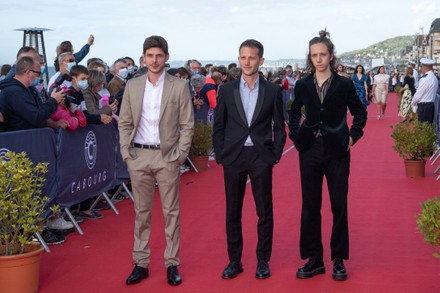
(33, 37)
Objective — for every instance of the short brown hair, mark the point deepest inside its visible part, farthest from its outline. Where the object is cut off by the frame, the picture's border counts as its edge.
(78, 69)
(156, 42)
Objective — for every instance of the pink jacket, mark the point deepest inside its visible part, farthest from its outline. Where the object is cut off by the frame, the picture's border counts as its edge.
(74, 119)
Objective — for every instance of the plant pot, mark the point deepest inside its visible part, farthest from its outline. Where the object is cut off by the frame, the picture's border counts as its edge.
(20, 273)
(200, 162)
(415, 168)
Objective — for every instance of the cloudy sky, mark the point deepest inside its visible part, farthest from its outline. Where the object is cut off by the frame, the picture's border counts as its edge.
(208, 30)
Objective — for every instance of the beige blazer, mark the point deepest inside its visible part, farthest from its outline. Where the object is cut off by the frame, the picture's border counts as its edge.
(176, 120)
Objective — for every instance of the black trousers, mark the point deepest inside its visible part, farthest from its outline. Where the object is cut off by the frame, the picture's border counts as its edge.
(235, 176)
(316, 163)
(425, 112)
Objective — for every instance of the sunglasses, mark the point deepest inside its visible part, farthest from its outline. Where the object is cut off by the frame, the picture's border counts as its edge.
(37, 72)
(71, 60)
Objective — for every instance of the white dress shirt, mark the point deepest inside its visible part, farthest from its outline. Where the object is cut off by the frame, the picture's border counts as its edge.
(427, 90)
(148, 128)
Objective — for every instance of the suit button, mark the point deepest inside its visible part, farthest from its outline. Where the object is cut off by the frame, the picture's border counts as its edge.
(322, 109)
(320, 122)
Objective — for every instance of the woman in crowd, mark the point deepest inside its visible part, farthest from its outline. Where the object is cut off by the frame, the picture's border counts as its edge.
(92, 98)
(407, 92)
(380, 91)
(360, 83)
(201, 104)
(340, 70)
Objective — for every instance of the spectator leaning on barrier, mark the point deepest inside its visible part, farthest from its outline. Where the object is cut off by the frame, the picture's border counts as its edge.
(79, 76)
(20, 106)
(92, 98)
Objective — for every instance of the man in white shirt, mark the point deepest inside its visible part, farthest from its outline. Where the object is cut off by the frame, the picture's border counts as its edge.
(156, 125)
(423, 100)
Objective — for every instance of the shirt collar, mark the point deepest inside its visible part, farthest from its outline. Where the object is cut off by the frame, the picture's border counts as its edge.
(244, 84)
(159, 81)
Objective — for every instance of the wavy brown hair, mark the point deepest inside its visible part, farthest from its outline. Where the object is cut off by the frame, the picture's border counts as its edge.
(324, 38)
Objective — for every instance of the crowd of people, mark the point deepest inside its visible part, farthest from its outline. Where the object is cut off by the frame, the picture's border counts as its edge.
(156, 107)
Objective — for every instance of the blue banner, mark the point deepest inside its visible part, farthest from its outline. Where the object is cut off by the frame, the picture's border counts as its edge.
(40, 146)
(86, 162)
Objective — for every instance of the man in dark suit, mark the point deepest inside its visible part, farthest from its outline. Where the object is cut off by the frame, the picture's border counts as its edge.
(249, 137)
(156, 125)
(323, 141)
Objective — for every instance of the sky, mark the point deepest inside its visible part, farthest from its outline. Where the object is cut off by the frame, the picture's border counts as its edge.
(210, 30)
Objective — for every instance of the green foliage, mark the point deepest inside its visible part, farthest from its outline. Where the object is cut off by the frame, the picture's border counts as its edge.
(202, 139)
(414, 140)
(21, 203)
(393, 46)
(429, 222)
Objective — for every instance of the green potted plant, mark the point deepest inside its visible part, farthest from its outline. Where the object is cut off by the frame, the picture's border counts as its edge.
(414, 141)
(201, 145)
(428, 222)
(21, 214)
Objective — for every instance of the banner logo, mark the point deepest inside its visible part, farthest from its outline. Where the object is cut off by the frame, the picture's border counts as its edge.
(90, 149)
(3, 152)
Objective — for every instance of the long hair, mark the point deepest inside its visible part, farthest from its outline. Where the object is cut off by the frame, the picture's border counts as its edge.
(324, 38)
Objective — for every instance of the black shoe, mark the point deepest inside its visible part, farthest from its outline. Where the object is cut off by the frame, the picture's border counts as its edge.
(52, 238)
(313, 267)
(263, 270)
(339, 271)
(173, 276)
(137, 275)
(232, 270)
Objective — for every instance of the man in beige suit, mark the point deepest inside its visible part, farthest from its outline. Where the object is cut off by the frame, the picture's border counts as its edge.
(156, 124)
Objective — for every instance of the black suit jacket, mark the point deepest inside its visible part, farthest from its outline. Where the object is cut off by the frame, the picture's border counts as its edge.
(231, 128)
(330, 117)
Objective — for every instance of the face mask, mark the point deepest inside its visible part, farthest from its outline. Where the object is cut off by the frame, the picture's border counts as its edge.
(70, 65)
(35, 82)
(123, 73)
(39, 87)
(82, 84)
(43, 69)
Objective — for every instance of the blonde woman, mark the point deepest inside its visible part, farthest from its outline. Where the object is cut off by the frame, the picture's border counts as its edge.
(380, 91)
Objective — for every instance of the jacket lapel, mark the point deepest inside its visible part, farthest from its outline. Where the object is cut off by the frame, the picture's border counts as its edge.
(312, 89)
(333, 86)
(238, 101)
(167, 88)
(139, 98)
(260, 98)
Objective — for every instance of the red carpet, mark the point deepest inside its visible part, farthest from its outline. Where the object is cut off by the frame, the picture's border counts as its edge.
(387, 252)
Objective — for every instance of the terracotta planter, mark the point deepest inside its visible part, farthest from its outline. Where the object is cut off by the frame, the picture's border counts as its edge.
(415, 168)
(201, 162)
(20, 273)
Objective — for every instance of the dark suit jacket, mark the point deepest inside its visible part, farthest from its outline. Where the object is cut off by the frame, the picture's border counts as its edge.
(231, 128)
(330, 117)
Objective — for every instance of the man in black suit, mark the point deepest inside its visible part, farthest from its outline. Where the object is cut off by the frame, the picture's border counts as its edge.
(249, 137)
(323, 141)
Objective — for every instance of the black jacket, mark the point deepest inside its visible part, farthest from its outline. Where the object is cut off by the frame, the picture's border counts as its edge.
(231, 129)
(22, 108)
(330, 117)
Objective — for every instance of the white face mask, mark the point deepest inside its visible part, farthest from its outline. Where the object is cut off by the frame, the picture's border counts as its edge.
(123, 73)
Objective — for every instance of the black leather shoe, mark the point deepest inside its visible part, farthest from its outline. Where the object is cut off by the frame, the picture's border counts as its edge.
(232, 270)
(137, 275)
(173, 276)
(263, 270)
(339, 271)
(313, 267)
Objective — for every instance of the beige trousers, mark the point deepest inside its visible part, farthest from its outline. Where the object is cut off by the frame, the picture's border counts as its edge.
(145, 170)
